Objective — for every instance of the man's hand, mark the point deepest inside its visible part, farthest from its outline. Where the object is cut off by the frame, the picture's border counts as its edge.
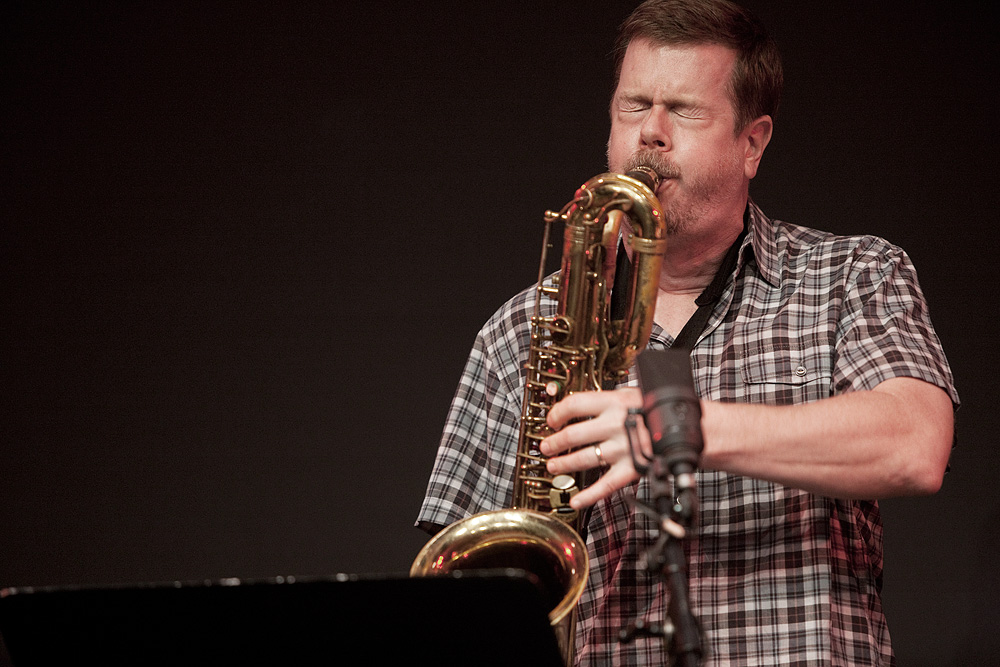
(891, 441)
(604, 414)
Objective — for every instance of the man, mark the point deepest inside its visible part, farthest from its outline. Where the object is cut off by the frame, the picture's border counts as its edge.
(823, 384)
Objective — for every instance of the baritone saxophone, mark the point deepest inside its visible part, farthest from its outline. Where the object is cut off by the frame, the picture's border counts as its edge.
(576, 349)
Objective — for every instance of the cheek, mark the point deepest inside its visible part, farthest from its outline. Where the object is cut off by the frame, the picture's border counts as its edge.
(618, 148)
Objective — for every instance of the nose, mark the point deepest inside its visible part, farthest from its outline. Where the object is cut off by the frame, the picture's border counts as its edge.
(655, 131)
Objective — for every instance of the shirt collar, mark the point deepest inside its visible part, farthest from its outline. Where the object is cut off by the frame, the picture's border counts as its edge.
(760, 242)
(758, 246)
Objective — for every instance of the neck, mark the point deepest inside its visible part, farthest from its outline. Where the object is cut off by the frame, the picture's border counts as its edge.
(689, 266)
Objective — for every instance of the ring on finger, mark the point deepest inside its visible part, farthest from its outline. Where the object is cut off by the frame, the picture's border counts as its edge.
(600, 457)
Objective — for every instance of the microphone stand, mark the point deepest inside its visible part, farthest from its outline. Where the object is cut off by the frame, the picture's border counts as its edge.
(674, 514)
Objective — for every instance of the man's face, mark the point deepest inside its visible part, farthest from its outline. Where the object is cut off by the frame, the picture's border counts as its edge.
(671, 111)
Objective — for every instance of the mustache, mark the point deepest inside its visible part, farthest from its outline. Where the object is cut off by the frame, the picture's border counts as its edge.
(652, 160)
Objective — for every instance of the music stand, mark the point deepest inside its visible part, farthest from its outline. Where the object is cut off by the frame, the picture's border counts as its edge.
(472, 618)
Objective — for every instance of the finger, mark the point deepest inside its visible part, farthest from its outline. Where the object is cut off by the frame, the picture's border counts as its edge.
(582, 459)
(591, 403)
(578, 434)
(576, 406)
(618, 477)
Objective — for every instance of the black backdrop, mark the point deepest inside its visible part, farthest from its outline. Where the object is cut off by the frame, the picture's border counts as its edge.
(247, 246)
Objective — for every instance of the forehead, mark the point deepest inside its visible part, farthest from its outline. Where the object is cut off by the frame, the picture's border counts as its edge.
(659, 70)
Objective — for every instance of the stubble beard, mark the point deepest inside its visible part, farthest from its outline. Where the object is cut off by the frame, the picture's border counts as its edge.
(701, 195)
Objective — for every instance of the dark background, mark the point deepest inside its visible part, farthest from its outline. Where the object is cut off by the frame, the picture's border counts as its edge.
(246, 248)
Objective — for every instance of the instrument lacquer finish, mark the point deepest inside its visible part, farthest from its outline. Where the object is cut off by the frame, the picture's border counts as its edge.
(576, 349)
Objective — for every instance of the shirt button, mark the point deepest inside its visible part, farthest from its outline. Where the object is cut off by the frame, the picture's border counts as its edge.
(800, 371)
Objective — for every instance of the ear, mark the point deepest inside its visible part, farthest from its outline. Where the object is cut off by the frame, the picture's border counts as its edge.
(757, 134)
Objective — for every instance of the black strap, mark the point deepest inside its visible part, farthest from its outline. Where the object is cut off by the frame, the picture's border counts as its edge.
(623, 274)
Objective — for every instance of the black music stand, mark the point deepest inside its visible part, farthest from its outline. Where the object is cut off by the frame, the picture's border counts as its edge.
(473, 618)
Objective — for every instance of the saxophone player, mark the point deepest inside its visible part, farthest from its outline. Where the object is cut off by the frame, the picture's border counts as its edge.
(823, 385)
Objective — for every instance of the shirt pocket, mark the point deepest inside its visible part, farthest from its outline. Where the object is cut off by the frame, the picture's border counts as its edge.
(783, 373)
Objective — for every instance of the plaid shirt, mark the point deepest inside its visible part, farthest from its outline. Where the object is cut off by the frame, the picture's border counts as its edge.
(778, 576)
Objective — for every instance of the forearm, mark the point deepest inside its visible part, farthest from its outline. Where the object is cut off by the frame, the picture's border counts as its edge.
(891, 441)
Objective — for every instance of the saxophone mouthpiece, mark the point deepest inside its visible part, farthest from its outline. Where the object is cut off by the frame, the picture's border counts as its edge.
(645, 175)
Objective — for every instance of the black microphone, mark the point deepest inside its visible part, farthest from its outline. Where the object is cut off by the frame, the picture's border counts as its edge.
(673, 418)
(671, 408)
(672, 413)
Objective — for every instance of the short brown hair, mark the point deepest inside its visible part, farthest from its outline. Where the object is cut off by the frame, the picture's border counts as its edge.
(755, 85)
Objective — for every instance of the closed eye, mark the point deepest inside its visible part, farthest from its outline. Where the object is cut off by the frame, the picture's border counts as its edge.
(629, 104)
(687, 112)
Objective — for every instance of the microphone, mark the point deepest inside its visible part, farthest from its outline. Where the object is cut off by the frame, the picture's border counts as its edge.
(673, 417)
(671, 407)
(672, 413)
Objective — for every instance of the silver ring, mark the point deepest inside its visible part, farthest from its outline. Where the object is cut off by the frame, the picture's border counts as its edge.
(600, 457)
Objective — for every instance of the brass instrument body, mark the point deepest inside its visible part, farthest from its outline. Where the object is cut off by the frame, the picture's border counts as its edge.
(579, 347)
(574, 350)
(531, 541)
